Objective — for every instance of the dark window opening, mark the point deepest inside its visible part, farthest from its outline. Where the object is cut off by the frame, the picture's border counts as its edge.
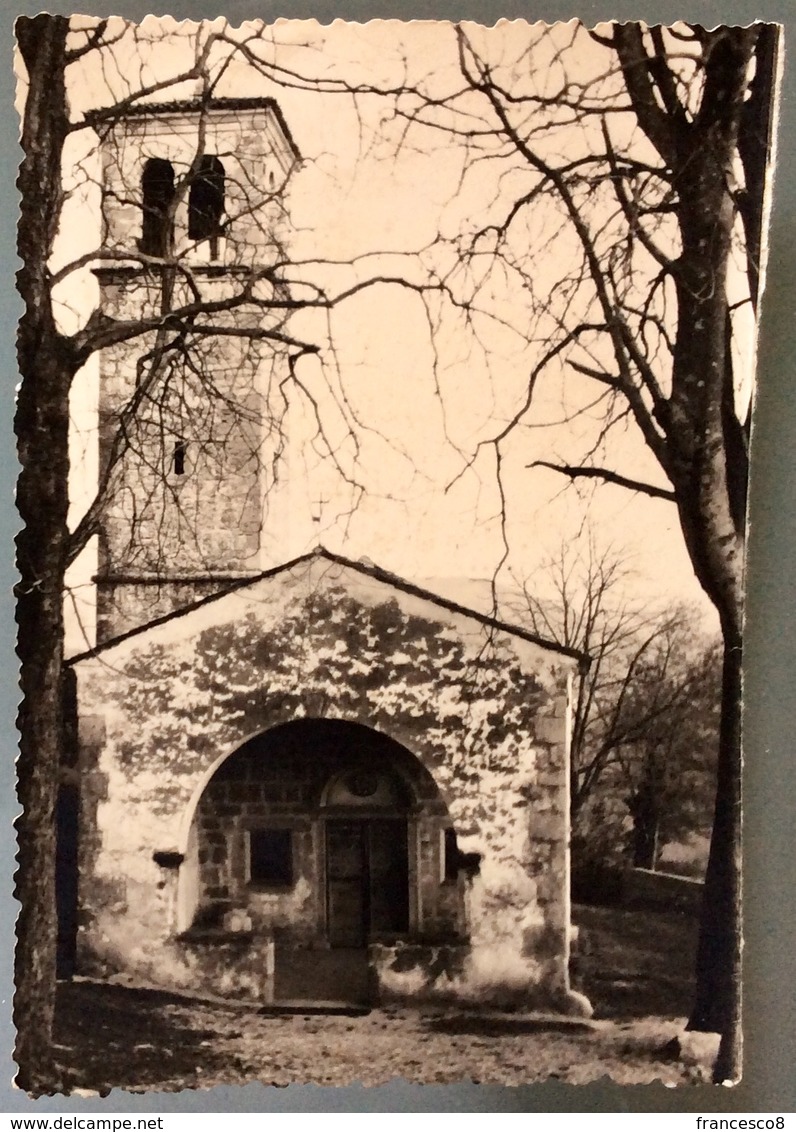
(271, 857)
(450, 868)
(157, 189)
(206, 202)
(454, 861)
(178, 460)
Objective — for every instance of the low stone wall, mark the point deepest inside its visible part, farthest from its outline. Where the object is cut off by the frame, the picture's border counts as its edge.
(235, 965)
(417, 971)
(458, 973)
(643, 887)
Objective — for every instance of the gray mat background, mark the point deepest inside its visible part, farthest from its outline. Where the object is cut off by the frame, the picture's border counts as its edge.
(769, 1083)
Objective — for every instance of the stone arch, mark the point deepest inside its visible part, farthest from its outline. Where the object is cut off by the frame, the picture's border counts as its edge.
(298, 780)
(308, 708)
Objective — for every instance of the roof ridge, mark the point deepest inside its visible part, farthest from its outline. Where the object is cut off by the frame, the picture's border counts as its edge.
(366, 568)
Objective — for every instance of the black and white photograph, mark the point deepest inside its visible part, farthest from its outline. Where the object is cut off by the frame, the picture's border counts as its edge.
(384, 414)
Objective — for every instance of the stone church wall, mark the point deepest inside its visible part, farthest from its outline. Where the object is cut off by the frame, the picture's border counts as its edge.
(483, 714)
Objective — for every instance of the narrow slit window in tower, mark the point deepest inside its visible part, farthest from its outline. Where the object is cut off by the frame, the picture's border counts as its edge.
(178, 458)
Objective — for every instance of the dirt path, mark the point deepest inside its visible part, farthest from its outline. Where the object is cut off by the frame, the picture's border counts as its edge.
(635, 966)
(115, 1036)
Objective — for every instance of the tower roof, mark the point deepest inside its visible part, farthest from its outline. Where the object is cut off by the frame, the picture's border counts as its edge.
(186, 106)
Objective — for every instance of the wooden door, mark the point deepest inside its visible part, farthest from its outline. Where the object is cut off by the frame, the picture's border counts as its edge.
(367, 879)
(388, 869)
(346, 876)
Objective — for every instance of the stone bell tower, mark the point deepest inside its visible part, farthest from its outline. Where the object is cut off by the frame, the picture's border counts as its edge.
(193, 226)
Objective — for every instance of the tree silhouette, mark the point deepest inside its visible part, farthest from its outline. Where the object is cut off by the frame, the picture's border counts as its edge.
(644, 150)
(643, 688)
(666, 774)
(197, 328)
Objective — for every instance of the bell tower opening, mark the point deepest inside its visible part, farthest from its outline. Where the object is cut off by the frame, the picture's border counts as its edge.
(206, 202)
(157, 223)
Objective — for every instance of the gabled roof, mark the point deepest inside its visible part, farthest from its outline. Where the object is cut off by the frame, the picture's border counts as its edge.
(366, 569)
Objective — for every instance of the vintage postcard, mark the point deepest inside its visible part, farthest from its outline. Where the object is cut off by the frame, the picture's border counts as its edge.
(383, 425)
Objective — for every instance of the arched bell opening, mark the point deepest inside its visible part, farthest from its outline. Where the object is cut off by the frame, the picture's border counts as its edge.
(157, 207)
(206, 202)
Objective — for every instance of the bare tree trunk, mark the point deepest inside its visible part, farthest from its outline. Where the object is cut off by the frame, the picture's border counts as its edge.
(42, 499)
(711, 501)
(644, 811)
(718, 1000)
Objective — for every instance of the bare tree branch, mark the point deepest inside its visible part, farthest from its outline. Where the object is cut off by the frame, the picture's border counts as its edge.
(607, 476)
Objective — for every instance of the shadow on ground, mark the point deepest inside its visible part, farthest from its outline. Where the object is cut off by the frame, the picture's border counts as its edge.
(110, 1034)
(632, 963)
(490, 1024)
(636, 966)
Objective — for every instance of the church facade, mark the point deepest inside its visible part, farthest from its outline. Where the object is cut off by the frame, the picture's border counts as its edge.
(303, 782)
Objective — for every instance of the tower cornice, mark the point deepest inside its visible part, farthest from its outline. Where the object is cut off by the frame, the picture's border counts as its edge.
(194, 106)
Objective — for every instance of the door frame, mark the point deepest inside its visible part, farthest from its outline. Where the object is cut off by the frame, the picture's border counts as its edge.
(363, 815)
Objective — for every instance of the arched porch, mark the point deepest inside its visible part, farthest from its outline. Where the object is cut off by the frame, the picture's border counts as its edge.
(314, 847)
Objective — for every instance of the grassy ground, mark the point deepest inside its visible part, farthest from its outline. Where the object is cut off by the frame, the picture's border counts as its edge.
(633, 963)
(634, 966)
